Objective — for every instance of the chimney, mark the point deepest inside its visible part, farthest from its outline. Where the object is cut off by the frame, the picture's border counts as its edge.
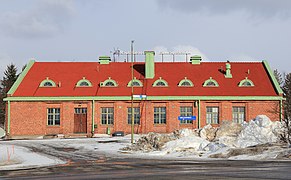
(149, 64)
(227, 71)
(104, 59)
(195, 59)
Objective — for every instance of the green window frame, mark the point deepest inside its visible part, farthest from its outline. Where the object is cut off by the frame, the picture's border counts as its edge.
(210, 83)
(160, 83)
(160, 115)
(53, 116)
(238, 114)
(135, 83)
(212, 115)
(185, 83)
(136, 116)
(186, 111)
(47, 83)
(246, 83)
(109, 83)
(107, 115)
(84, 83)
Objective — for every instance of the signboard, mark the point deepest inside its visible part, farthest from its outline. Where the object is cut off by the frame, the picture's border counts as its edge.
(191, 118)
(139, 96)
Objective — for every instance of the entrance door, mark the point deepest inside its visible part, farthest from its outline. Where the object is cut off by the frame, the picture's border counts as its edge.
(80, 120)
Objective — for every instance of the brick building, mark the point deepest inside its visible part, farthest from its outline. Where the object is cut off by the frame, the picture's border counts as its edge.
(91, 97)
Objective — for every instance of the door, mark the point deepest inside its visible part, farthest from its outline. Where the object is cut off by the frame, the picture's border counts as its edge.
(80, 120)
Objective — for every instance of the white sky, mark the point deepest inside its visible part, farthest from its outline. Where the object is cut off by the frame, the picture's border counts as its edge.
(83, 30)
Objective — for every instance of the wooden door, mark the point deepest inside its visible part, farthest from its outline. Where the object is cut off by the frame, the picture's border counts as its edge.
(80, 120)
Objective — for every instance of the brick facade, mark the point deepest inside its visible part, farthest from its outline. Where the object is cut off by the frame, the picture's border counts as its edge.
(30, 118)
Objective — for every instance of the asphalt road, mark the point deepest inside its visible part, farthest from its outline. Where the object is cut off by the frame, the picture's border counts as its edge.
(82, 164)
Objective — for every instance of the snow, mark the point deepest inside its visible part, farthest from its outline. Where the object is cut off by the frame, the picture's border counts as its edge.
(15, 157)
(255, 140)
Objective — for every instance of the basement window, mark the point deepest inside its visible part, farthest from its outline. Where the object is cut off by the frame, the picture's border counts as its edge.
(135, 83)
(210, 83)
(47, 83)
(109, 83)
(84, 83)
(185, 83)
(246, 83)
(160, 83)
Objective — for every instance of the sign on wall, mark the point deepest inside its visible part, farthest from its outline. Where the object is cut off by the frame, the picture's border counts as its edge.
(191, 118)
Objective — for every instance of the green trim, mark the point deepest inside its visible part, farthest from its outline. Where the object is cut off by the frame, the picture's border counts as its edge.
(208, 81)
(246, 80)
(47, 80)
(8, 118)
(93, 117)
(185, 80)
(103, 84)
(135, 80)
(160, 80)
(273, 79)
(150, 98)
(20, 77)
(199, 112)
(83, 80)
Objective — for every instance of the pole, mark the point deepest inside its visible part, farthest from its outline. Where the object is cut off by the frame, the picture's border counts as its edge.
(132, 111)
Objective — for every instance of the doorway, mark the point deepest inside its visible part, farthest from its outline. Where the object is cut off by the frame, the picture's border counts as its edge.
(80, 120)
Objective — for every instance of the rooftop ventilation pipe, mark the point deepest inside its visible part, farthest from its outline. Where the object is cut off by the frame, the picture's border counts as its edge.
(227, 71)
(104, 59)
(195, 59)
(149, 64)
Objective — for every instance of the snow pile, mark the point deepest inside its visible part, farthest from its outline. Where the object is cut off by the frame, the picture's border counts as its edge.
(229, 140)
(258, 131)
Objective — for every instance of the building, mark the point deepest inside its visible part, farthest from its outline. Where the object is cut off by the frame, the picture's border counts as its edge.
(95, 97)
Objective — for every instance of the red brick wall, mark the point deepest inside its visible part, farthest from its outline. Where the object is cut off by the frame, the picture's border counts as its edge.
(30, 118)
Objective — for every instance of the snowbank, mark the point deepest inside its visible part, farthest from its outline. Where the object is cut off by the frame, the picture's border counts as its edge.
(231, 141)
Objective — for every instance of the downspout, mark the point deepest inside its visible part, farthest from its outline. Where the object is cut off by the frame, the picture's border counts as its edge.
(93, 116)
(198, 114)
(8, 119)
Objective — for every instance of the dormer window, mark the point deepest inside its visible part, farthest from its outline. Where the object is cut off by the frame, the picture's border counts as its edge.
(47, 83)
(185, 83)
(109, 83)
(160, 83)
(210, 83)
(84, 83)
(135, 83)
(246, 83)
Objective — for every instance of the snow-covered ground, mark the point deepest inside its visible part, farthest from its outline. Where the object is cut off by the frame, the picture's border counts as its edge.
(256, 140)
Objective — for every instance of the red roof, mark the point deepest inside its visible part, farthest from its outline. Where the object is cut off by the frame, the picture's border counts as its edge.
(67, 74)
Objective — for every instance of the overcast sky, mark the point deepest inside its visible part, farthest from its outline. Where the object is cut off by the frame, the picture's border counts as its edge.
(83, 30)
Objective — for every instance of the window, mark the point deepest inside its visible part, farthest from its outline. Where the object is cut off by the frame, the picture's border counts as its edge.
(53, 116)
(136, 115)
(160, 83)
(159, 115)
(84, 83)
(80, 110)
(47, 83)
(109, 83)
(246, 83)
(212, 115)
(107, 115)
(186, 111)
(185, 83)
(238, 114)
(210, 83)
(135, 82)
